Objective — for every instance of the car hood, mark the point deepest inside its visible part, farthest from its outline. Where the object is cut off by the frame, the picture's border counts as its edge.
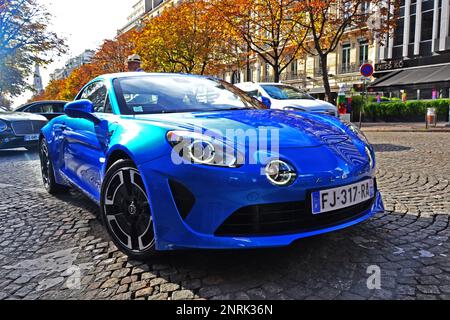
(16, 116)
(294, 129)
(309, 105)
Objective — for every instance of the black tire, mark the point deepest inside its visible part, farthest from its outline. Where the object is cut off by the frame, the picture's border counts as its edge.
(126, 212)
(48, 175)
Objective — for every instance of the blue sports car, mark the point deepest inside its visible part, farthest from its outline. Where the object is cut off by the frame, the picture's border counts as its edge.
(180, 161)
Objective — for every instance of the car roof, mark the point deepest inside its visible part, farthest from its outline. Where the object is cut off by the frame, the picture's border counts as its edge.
(111, 76)
(49, 101)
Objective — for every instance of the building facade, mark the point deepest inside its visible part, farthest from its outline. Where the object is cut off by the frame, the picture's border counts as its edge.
(305, 72)
(72, 64)
(416, 56)
(143, 10)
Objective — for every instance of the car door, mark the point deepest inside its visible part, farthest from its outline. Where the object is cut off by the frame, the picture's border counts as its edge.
(85, 143)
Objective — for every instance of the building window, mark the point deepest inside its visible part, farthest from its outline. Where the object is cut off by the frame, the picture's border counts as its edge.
(427, 25)
(250, 73)
(236, 77)
(294, 67)
(346, 54)
(267, 72)
(398, 38)
(363, 52)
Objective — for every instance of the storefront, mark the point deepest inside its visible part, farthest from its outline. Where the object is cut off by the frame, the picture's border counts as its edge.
(414, 59)
(417, 78)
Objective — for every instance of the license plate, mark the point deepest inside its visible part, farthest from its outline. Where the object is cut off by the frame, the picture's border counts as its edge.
(31, 137)
(342, 197)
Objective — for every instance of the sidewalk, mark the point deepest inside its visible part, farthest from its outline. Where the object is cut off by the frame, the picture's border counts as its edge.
(403, 127)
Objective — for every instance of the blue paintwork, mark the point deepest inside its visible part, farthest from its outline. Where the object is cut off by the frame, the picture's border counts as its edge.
(325, 152)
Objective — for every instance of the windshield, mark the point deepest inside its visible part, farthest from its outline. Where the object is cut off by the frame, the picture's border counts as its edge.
(152, 94)
(280, 92)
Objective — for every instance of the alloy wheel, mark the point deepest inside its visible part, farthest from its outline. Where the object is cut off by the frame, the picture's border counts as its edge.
(45, 165)
(127, 210)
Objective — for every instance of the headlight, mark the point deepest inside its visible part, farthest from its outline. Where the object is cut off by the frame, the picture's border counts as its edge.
(369, 155)
(357, 131)
(3, 126)
(194, 147)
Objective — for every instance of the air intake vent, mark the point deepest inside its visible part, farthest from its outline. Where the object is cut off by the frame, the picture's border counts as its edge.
(184, 199)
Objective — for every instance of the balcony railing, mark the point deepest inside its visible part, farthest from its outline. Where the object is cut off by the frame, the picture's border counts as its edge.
(319, 73)
(292, 76)
(348, 68)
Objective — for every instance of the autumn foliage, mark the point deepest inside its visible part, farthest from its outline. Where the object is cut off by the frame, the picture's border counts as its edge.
(209, 36)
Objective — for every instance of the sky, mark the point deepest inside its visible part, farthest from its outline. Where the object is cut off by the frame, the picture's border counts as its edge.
(84, 24)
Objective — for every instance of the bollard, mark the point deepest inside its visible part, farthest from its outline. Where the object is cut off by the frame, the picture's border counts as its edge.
(431, 117)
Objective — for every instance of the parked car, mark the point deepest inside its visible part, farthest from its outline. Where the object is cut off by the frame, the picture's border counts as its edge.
(20, 130)
(150, 150)
(48, 109)
(286, 97)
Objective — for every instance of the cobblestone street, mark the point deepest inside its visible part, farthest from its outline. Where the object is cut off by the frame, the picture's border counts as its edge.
(47, 243)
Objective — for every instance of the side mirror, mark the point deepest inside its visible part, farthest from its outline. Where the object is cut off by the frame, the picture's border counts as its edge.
(81, 109)
(266, 102)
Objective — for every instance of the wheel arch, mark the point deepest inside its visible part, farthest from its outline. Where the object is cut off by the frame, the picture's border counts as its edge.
(116, 153)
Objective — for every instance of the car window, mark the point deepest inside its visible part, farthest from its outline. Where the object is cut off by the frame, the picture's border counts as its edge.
(96, 93)
(37, 108)
(47, 108)
(254, 93)
(280, 92)
(108, 107)
(179, 93)
(58, 108)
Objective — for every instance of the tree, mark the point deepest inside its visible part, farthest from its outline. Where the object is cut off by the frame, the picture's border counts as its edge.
(330, 20)
(24, 41)
(77, 80)
(270, 28)
(185, 38)
(68, 88)
(4, 103)
(112, 55)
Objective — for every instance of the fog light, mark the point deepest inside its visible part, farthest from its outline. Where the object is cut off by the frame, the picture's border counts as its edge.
(280, 173)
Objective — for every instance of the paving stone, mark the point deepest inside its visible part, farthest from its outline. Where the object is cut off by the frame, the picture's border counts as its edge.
(183, 295)
(169, 287)
(47, 242)
(144, 292)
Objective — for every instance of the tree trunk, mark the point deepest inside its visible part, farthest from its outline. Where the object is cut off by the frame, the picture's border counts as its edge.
(325, 78)
(276, 72)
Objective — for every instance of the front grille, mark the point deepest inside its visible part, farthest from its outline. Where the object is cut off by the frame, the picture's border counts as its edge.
(24, 127)
(286, 218)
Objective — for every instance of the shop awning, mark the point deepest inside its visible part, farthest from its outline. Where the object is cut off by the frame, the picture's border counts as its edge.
(426, 76)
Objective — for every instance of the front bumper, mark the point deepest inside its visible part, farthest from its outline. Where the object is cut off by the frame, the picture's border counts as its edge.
(11, 142)
(221, 192)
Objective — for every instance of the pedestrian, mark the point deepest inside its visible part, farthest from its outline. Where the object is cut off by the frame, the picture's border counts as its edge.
(134, 63)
